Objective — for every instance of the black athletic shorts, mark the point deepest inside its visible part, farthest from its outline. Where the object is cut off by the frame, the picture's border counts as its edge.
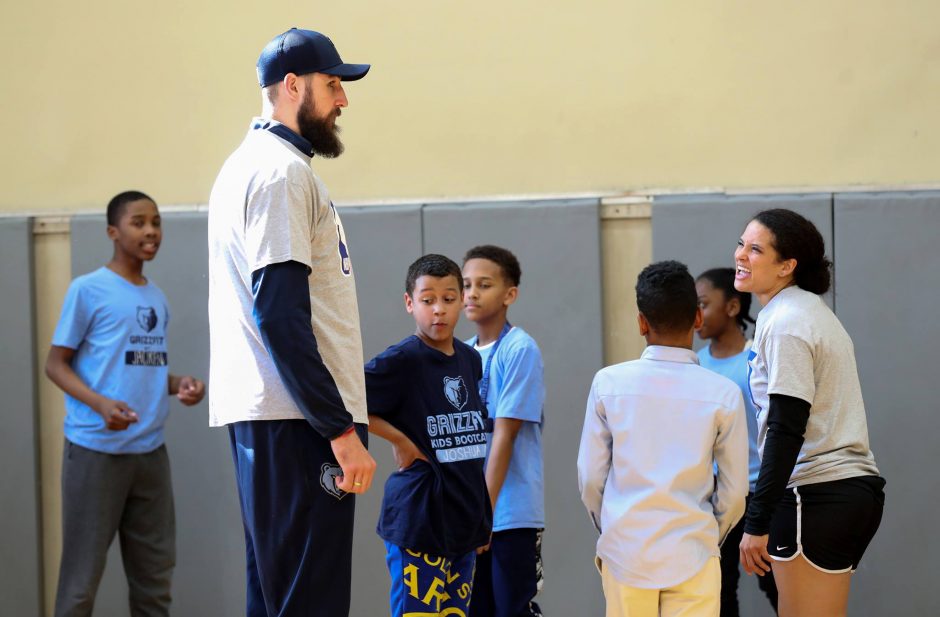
(830, 523)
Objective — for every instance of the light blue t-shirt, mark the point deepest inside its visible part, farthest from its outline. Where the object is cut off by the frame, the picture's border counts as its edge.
(735, 369)
(517, 390)
(118, 331)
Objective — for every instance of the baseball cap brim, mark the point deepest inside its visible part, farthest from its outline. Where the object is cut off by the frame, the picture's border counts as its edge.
(348, 72)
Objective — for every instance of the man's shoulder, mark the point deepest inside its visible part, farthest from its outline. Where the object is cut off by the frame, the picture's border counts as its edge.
(269, 160)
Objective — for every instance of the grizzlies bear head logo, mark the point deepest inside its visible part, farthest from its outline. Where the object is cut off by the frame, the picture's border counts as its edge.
(146, 317)
(328, 474)
(456, 391)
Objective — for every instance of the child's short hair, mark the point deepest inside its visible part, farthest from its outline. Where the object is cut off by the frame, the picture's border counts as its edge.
(665, 294)
(119, 202)
(722, 279)
(503, 258)
(432, 265)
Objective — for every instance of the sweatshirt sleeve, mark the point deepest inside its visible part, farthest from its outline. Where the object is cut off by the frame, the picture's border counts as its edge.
(282, 312)
(786, 423)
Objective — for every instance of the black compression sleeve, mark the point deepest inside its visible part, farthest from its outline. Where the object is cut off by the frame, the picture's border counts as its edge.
(282, 312)
(786, 424)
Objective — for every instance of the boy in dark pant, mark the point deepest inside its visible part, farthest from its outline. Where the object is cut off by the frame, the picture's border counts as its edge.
(422, 398)
(109, 356)
(509, 572)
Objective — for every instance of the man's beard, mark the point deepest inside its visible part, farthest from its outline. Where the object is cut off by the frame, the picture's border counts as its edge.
(320, 132)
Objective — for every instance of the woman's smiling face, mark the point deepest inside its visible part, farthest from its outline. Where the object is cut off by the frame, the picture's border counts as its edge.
(758, 267)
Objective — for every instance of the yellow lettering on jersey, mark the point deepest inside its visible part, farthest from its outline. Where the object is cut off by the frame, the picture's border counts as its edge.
(436, 593)
(410, 578)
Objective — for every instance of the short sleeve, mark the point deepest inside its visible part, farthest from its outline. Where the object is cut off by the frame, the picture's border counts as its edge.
(279, 224)
(384, 383)
(522, 392)
(790, 367)
(75, 319)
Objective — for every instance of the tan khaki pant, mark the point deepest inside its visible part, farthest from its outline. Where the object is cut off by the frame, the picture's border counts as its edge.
(697, 597)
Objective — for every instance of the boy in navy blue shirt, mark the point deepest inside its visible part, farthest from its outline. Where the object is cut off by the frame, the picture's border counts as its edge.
(109, 356)
(422, 397)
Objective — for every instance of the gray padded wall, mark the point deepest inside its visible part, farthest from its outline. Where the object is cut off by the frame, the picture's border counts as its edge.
(210, 571)
(702, 232)
(383, 241)
(887, 293)
(20, 515)
(558, 245)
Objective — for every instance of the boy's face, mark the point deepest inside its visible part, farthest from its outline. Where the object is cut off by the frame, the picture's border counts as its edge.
(435, 304)
(138, 232)
(486, 292)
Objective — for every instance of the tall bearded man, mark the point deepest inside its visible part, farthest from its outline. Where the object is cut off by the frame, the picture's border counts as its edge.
(286, 366)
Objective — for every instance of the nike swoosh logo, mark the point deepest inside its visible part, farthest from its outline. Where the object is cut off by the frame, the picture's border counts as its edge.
(782, 548)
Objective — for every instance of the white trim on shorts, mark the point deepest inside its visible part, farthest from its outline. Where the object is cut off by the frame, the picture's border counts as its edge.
(799, 541)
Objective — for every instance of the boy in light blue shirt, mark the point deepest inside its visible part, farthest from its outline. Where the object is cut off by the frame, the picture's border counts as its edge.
(509, 572)
(109, 356)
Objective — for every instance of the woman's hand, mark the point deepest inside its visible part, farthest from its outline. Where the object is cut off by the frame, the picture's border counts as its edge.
(754, 555)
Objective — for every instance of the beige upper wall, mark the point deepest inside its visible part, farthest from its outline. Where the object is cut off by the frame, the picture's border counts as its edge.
(477, 98)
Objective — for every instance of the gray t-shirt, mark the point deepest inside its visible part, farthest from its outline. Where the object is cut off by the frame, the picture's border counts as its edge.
(801, 350)
(267, 207)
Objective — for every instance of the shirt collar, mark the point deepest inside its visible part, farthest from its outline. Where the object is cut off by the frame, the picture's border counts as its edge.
(669, 354)
(284, 133)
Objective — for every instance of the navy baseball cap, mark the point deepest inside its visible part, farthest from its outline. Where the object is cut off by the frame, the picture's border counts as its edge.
(302, 52)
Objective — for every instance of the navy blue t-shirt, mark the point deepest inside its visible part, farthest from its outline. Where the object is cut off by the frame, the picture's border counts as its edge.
(441, 507)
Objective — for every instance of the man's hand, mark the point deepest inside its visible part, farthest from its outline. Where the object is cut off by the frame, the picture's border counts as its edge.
(357, 464)
(406, 453)
(485, 547)
(117, 414)
(191, 390)
(754, 555)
